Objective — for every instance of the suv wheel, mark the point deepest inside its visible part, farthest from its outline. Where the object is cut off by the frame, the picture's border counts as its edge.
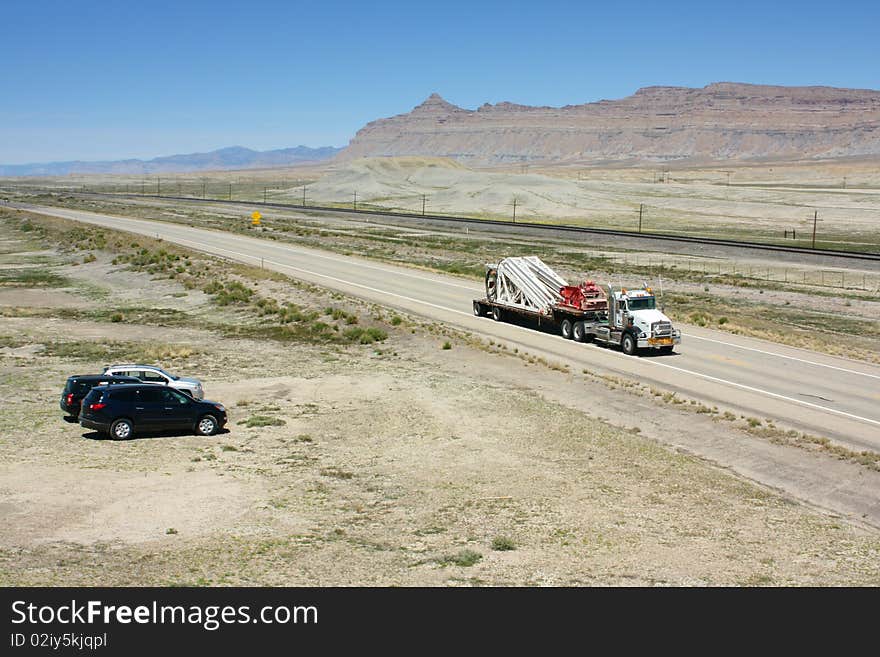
(121, 429)
(207, 425)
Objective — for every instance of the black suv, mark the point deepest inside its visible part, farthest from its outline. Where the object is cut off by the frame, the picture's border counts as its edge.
(78, 387)
(120, 410)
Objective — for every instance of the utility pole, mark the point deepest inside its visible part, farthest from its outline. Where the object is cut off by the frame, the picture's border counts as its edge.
(423, 205)
(815, 219)
(304, 196)
(158, 187)
(264, 195)
(203, 189)
(230, 191)
(641, 207)
(355, 200)
(143, 187)
(514, 209)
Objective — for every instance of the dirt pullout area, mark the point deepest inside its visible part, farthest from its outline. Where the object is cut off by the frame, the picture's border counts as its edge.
(374, 460)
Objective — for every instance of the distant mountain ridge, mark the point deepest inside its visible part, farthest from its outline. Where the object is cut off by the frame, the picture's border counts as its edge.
(718, 122)
(233, 157)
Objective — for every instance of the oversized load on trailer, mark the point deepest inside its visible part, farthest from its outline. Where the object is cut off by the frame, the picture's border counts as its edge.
(530, 284)
(527, 287)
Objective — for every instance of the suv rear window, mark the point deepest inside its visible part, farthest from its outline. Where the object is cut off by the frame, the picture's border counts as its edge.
(94, 396)
(79, 387)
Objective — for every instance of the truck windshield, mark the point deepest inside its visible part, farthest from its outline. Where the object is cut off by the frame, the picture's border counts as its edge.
(642, 303)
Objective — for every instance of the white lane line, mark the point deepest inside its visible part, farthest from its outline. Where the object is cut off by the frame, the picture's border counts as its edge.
(652, 362)
(773, 353)
(310, 253)
(203, 246)
(765, 392)
(332, 278)
(396, 272)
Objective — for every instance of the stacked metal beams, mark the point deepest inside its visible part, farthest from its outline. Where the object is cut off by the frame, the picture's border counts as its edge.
(528, 283)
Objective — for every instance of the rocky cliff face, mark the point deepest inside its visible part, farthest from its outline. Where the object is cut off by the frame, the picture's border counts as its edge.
(721, 121)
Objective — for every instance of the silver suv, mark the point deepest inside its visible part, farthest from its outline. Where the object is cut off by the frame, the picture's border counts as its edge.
(153, 374)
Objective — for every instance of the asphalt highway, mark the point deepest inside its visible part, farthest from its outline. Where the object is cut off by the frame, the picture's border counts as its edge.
(813, 392)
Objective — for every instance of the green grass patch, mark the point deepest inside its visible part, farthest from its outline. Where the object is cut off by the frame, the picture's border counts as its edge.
(364, 335)
(503, 544)
(110, 351)
(263, 421)
(32, 277)
(464, 558)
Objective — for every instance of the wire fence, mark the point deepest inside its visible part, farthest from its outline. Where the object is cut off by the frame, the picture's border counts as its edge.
(720, 269)
(288, 193)
(801, 227)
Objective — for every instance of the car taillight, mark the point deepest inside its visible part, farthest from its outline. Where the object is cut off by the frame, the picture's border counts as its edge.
(96, 407)
(70, 398)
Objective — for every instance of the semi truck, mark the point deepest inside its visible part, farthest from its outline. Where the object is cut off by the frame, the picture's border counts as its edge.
(627, 317)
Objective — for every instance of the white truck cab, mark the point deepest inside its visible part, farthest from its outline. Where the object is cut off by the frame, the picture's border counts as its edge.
(636, 311)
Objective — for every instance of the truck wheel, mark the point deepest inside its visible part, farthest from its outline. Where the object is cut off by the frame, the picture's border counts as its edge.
(478, 308)
(566, 329)
(496, 313)
(628, 344)
(579, 332)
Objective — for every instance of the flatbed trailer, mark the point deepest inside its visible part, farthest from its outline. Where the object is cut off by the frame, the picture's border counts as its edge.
(526, 288)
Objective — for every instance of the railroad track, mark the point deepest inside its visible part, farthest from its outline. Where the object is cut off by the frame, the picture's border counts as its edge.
(659, 237)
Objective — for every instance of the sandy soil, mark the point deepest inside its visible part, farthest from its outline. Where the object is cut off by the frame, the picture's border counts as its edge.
(739, 200)
(450, 187)
(398, 463)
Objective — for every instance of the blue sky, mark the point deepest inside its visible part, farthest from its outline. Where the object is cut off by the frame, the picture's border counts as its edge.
(109, 80)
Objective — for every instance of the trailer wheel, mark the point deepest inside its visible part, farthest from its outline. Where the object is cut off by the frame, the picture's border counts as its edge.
(496, 313)
(478, 308)
(628, 344)
(566, 329)
(579, 332)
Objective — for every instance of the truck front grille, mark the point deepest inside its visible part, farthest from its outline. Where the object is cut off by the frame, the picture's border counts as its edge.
(661, 329)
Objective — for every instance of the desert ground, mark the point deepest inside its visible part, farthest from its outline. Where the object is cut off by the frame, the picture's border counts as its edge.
(365, 446)
(774, 202)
